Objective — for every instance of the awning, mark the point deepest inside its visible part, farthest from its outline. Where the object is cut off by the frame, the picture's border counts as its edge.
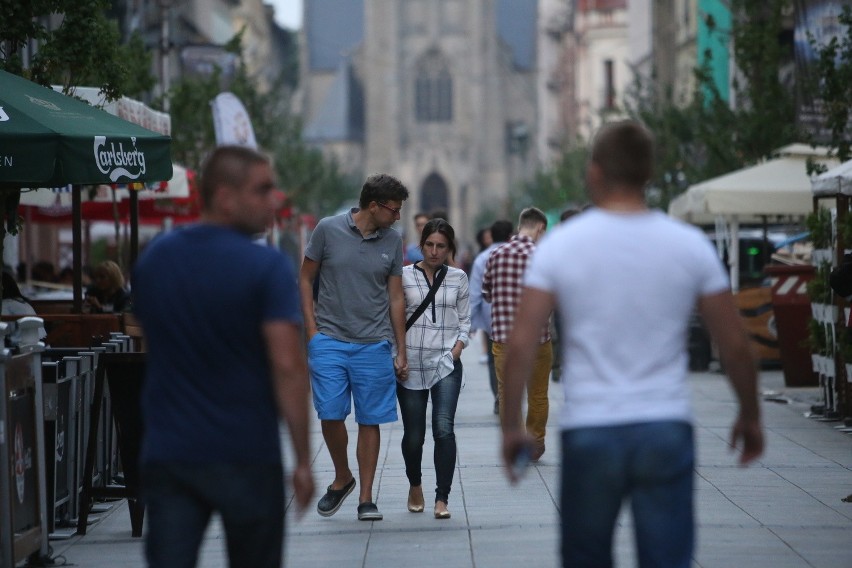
(178, 201)
(779, 186)
(837, 180)
(175, 188)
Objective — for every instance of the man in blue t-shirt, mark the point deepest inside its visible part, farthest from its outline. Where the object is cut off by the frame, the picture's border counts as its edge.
(222, 321)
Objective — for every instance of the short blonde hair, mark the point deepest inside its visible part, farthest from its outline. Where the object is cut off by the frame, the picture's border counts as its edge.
(532, 216)
(113, 273)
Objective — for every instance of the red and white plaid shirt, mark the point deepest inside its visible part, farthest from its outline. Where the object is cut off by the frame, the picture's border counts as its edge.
(502, 284)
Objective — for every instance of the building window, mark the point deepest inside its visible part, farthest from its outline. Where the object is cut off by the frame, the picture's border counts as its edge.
(434, 195)
(517, 137)
(433, 89)
(609, 85)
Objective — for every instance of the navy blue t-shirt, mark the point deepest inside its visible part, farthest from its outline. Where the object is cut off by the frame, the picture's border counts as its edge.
(202, 294)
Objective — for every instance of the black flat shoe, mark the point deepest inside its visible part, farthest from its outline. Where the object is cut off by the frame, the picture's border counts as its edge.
(333, 499)
(369, 512)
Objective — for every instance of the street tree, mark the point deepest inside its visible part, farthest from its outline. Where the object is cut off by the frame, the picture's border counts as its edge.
(708, 136)
(76, 45)
(68, 43)
(551, 189)
(833, 87)
(311, 181)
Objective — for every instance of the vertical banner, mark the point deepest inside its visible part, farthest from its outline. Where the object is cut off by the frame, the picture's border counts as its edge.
(231, 122)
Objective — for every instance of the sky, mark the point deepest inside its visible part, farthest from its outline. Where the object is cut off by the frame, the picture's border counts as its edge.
(288, 13)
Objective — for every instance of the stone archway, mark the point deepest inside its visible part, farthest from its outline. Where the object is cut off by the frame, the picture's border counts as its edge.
(434, 194)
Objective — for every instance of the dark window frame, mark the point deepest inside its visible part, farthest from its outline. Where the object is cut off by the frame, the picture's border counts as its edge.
(433, 90)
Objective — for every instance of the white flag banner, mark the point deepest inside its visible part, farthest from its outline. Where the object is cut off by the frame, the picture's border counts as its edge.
(231, 122)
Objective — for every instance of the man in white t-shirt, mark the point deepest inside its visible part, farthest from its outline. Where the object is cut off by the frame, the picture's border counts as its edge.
(625, 298)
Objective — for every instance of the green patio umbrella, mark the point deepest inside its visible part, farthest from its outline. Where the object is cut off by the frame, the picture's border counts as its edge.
(48, 139)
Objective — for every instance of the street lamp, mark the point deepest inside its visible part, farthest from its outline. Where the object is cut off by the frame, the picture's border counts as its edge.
(165, 47)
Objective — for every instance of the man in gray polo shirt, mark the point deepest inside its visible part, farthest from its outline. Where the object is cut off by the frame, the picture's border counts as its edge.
(358, 260)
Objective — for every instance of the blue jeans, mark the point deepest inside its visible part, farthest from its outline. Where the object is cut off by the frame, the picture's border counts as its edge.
(651, 464)
(180, 499)
(412, 405)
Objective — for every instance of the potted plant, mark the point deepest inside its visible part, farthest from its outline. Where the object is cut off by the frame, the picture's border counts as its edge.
(844, 345)
(819, 293)
(817, 343)
(819, 226)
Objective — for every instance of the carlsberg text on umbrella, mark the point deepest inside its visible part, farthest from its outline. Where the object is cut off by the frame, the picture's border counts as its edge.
(110, 161)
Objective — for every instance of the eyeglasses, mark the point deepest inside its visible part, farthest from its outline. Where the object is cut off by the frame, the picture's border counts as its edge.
(394, 210)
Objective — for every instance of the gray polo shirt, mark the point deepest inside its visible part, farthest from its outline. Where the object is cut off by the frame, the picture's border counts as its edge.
(353, 302)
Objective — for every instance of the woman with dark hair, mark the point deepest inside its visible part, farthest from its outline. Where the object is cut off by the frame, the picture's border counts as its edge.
(437, 310)
(484, 238)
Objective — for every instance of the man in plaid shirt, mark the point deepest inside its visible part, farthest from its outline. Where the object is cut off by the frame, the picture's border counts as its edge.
(501, 285)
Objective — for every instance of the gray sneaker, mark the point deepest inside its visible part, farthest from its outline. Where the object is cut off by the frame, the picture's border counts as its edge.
(369, 512)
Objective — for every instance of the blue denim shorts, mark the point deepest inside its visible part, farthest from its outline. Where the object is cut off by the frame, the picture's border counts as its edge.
(344, 372)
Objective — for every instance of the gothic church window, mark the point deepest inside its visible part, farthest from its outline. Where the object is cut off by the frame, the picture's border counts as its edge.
(434, 194)
(433, 89)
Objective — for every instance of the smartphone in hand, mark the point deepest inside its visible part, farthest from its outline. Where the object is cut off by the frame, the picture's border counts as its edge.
(521, 462)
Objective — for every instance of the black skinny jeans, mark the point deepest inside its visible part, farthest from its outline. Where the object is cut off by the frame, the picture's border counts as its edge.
(412, 404)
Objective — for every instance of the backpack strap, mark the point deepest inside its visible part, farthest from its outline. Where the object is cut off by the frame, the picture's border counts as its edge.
(430, 297)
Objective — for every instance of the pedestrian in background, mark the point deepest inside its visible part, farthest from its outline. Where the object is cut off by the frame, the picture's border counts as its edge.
(555, 323)
(107, 293)
(225, 363)
(484, 239)
(412, 251)
(352, 327)
(437, 309)
(625, 297)
(480, 310)
(501, 285)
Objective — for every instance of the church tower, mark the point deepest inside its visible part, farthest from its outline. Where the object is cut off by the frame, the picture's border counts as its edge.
(449, 102)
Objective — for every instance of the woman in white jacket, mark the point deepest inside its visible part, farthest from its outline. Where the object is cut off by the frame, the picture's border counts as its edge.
(437, 330)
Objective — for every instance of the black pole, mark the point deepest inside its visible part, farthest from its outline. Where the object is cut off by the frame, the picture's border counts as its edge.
(767, 247)
(134, 227)
(77, 248)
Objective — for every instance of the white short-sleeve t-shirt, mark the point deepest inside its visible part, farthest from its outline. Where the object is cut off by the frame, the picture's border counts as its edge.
(625, 286)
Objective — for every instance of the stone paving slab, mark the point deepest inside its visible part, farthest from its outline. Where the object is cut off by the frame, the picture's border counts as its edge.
(784, 511)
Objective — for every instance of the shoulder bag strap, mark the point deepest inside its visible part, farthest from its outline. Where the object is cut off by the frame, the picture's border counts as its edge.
(433, 289)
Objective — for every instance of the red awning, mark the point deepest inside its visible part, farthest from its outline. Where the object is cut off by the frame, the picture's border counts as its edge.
(151, 211)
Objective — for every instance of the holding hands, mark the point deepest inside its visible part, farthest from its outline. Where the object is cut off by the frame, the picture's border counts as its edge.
(400, 365)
